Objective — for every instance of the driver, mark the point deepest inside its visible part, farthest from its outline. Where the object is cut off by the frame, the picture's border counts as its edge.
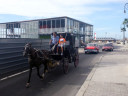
(54, 41)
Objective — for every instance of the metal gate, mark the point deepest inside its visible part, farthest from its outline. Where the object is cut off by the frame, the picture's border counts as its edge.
(11, 58)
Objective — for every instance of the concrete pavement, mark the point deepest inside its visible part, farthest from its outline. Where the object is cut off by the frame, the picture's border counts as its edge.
(109, 77)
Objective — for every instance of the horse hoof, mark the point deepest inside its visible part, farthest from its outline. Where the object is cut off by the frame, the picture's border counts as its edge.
(42, 76)
(42, 79)
(46, 71)
(27, 85)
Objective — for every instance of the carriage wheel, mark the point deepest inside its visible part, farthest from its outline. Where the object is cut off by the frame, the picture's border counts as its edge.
(76, 61)
(65, 65)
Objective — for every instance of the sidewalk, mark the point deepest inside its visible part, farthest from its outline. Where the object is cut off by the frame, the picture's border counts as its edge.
(110, 77)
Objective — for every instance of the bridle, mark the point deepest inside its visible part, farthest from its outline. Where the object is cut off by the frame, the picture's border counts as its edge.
(27, 49)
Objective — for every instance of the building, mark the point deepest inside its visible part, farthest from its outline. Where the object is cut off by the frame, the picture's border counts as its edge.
(42, 28)
(104, 39)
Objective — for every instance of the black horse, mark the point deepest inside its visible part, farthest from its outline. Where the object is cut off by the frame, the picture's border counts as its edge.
(35, 59)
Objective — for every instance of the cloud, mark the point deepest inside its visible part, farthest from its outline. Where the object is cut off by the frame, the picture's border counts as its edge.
(101, 29)
(86, 2)
(52, 8)
(103, 14)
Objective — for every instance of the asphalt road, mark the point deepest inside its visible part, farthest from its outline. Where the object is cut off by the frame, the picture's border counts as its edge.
(56, 83)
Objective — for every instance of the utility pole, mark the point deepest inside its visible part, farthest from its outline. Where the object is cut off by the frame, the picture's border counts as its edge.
(105, 34)
(125, 7)
(123, 30)
(124, 37)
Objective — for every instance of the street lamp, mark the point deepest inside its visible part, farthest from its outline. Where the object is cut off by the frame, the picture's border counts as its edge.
(125, 7)
(123, 29)
(105, 34)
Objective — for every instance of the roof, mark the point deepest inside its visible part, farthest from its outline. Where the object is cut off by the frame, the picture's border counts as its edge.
(105, 38)
(46, 19)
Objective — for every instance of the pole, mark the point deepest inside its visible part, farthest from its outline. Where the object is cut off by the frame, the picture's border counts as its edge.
(123, 37)
(95, 36)
(125, 7)
(123, 31)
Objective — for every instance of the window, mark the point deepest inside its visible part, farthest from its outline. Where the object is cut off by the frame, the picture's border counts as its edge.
(49, 24)
(40, 24)
(62, 22)
(68, 23)
(71, 23)
(44, 24)
(57, 23)
(53, 24)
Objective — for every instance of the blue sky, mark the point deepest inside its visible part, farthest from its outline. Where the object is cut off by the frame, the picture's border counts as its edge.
(105, 15)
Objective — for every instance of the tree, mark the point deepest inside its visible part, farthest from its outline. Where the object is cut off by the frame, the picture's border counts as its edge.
(123, 29)
(125, 22)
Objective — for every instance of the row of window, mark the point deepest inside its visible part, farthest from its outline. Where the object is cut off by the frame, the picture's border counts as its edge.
(43, 26)
(58, 23)
(52, 23)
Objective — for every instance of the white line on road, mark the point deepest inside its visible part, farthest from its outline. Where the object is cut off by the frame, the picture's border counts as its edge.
(13, 75)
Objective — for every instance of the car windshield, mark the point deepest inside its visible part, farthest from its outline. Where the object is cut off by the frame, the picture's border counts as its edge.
(107, 45)
(91, 45)
(110, 43)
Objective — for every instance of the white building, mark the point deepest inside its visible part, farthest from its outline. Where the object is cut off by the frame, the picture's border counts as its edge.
(41, 28)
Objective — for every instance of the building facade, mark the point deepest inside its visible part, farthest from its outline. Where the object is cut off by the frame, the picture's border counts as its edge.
(104, 39)
(43, 27)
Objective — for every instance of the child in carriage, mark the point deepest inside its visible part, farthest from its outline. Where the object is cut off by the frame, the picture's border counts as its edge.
(61, 43)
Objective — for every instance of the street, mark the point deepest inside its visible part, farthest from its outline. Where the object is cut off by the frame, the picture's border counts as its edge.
(38, 39)
(110, 77)
(56, 83)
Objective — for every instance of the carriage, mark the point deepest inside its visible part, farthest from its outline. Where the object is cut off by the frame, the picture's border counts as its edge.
(49, 59)
(70, 53)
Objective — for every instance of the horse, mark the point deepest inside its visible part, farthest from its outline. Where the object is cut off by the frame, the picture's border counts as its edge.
(35, 59)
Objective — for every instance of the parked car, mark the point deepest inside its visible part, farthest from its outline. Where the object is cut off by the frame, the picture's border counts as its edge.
(107, 47)
(91, 48)
(118, 42)
(111, 44)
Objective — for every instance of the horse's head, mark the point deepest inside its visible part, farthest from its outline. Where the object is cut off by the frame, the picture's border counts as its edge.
(27, 50)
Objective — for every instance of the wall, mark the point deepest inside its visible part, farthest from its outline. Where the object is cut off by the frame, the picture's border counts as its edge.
(11, 50)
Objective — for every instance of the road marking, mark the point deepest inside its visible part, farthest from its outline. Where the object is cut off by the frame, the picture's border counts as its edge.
(83, 88)
(13, 75)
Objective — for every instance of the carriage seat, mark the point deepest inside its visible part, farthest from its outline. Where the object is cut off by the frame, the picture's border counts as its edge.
(67, 43)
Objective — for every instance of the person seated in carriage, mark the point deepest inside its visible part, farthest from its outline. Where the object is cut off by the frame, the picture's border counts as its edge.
(54, 42)
(61, 43)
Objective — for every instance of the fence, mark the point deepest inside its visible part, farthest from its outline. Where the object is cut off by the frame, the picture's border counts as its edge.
(11, 58)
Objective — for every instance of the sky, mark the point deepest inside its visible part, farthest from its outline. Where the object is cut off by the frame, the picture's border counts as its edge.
(105, 15)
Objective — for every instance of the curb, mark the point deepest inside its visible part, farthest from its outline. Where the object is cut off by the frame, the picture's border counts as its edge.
(85, 85)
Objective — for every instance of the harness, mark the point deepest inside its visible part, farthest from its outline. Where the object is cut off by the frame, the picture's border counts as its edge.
(42, 54)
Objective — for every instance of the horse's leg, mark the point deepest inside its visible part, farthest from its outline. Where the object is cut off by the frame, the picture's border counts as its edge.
(30, 72)
(45, 69)
(38, 73)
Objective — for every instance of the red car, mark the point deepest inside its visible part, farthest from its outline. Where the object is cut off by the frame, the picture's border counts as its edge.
(91, 48)
(107, 47)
